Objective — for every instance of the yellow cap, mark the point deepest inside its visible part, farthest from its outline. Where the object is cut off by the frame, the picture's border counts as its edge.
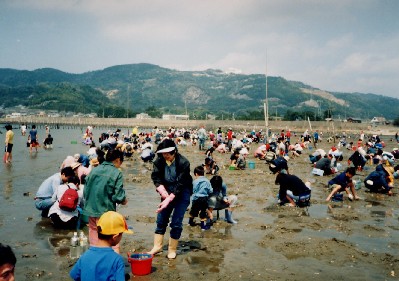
(113, 223)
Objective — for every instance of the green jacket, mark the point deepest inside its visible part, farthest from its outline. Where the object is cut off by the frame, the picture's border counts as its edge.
(103, 190)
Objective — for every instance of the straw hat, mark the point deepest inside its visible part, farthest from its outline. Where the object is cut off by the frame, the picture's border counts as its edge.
(94, 162)
(75, 165)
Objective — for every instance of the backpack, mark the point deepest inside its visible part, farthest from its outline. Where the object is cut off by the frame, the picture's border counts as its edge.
(69, 200)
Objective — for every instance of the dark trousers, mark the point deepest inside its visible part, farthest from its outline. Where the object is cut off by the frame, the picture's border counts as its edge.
(58, 223)
(199, 206)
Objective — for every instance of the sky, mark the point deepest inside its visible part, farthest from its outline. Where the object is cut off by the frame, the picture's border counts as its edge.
(333, 45)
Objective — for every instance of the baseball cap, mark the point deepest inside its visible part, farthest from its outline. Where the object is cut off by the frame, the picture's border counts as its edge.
(112, 223)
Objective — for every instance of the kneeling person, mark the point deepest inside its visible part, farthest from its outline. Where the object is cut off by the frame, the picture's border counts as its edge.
(379, 181)
(291, 188)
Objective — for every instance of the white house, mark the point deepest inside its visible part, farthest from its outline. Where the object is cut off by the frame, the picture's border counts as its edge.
(143, 116)
(175, 117)
(378, 121)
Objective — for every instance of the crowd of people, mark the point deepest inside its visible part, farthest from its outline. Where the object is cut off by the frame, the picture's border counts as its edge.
(97, 179)
(98, 182)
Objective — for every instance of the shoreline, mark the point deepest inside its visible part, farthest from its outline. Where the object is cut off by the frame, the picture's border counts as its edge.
(329, 127)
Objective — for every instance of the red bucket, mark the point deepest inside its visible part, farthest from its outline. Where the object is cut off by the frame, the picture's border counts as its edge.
(140, 262)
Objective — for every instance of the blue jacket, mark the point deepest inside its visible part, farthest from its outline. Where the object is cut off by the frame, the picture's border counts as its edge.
(201, 188)
(341, 179)
(49, 186)
(378, 177)
(99, 264)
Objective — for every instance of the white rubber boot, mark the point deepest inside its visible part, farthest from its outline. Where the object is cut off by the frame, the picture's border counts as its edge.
(158, 244)
(172, 248)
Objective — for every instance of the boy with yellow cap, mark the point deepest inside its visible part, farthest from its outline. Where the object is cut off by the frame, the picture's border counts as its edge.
(100, 262)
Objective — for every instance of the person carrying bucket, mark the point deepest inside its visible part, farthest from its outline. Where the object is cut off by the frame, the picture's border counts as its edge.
(173, 182)
(101, 262)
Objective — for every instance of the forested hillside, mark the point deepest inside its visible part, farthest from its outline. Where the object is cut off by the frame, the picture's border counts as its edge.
(129, 89)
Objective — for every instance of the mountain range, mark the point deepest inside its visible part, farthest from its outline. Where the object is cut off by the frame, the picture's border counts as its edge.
(123, 90)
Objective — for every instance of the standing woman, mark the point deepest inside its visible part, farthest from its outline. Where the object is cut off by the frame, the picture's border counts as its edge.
(9, 144)
(173, 182)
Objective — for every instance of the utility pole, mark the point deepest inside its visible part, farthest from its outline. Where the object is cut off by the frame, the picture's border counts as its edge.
(127, 104)
(266, 104)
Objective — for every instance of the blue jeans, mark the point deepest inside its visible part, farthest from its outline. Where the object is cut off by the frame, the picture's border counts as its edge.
(44, 205)
(178, 206)
(296, 198)
(201, 143)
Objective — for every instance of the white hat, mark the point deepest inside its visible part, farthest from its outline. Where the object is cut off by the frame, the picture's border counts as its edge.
(75, 165)
(68, 162)
(167, 145)
(167, 149)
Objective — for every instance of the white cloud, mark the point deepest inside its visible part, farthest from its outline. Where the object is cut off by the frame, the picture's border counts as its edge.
(344, 45)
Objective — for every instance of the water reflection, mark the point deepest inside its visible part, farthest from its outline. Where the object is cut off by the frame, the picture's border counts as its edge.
(33, 155)
(7, 191)
(381, 214)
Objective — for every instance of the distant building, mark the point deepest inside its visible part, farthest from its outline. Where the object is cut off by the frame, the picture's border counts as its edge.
(175, 117)
(91, 115)
(379, 121)
(276, 118)
(16, 115)
(56, 115)
(143, 116)
(354, 120)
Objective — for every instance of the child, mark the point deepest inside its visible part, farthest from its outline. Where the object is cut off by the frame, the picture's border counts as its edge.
(241, 163)
(100, 262)
(343, 182)
(202, 188)
(7, 263)
(210, 166)
(209, 152)
(48, 142)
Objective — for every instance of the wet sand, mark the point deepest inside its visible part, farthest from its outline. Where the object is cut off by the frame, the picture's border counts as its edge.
(327, 241)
